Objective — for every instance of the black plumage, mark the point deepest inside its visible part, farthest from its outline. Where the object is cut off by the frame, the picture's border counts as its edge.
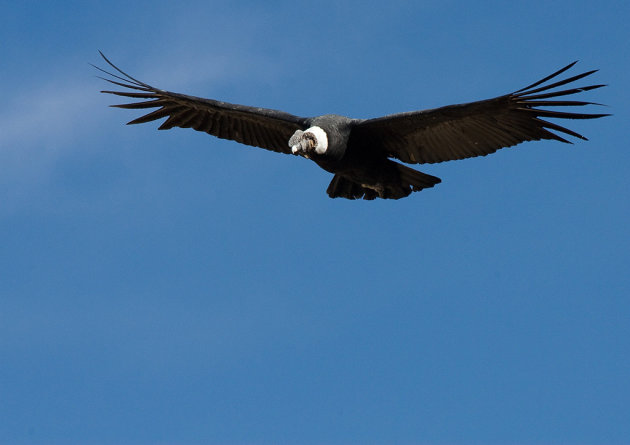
(359, 152)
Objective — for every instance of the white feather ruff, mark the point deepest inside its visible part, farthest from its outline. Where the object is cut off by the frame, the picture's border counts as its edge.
(320, 137)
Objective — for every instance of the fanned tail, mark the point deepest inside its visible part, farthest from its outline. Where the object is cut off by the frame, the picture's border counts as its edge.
(404, 181)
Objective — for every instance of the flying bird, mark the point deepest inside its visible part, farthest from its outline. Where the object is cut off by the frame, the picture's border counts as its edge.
(361, 153)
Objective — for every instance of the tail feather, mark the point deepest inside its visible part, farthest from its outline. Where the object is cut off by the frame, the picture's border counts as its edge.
(342, 187)
(417, 180)
(405, 181)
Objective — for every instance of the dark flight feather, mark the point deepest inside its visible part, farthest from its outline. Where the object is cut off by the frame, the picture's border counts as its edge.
(477, 128)
(260, 127)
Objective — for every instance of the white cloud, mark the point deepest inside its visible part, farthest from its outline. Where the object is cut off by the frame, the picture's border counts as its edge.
(53, 116)
(37, 126)
(46, 117)
(43, 124)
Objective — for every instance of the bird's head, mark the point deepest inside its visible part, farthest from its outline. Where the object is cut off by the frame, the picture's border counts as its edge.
(312, 140)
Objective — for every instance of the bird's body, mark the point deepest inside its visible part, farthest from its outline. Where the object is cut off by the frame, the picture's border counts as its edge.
(359, 152)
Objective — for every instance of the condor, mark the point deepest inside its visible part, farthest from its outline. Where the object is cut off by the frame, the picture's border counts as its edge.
(360, 153)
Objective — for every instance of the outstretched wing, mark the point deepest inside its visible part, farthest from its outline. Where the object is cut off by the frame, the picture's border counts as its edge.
(260, 127)
(476, 128)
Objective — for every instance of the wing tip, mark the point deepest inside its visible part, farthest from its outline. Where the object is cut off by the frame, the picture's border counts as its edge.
(127, 78)
(541, 83)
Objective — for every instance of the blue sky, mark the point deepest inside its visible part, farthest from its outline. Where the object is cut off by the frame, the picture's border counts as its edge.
(174, 288)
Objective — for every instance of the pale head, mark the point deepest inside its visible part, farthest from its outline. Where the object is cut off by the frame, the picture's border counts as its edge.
(312, 140)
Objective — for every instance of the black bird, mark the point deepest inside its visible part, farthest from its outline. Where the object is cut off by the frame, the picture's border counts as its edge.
(359, 152)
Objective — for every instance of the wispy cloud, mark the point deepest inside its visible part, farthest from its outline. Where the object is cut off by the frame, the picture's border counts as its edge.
(46, 117)
(54, 115)
(37, 127)
(47, 120)
(45, 123)
(39, 122)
